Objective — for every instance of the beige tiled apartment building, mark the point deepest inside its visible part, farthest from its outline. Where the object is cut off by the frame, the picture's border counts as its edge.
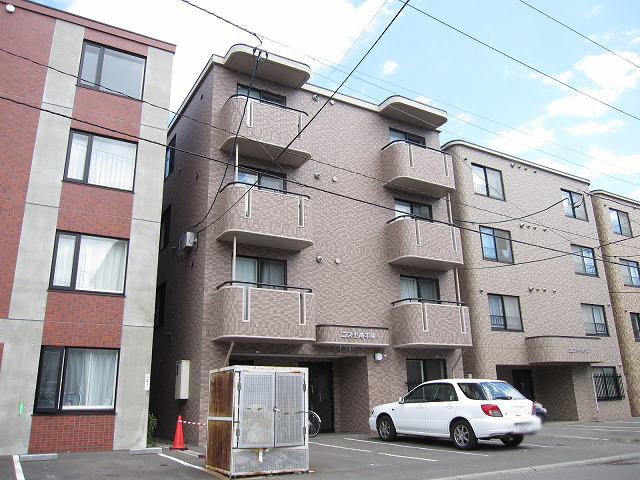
(618, 221)
(324, 262)
(535, 285)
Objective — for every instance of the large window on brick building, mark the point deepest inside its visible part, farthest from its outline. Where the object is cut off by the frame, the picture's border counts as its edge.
(630, 272)
(407, 208)
(487, 181)
(584, 261)
(76, 379)
(419, 371)
(607, 383)
(113, 71)
(573, 205)
(496, 245)
(595, 322)
(101, 161)
(620, 222)
(261, 272)
(87, 263)
(417, 289)
(504, 311)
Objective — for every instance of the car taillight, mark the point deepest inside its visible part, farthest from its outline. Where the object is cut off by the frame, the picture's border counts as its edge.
(491, 410)
(533, 409)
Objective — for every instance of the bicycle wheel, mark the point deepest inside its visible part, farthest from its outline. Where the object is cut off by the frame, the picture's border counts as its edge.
(314, 424)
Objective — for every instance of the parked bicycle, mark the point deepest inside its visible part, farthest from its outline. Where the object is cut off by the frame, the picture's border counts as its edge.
(313, 424)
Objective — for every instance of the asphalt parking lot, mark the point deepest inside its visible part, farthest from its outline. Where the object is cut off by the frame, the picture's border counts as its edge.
(585, 450)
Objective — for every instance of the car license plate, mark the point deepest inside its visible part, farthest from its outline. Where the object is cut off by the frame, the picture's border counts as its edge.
(523, 427)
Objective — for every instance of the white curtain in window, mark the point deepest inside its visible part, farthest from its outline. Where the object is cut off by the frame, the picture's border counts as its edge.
(247, 270)
(512, 312)
(428, 288)
(101, 264)
(408, 287)
(112, 163)
(90, 379)
(272, 272)
(495, 306)
(64, 261)
(77, 156)
(494, 183)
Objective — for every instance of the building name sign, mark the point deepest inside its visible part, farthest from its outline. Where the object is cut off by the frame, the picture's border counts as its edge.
(578, 350)
(357, 335)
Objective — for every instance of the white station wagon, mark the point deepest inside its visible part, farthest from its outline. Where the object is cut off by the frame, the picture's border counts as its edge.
(464, 410)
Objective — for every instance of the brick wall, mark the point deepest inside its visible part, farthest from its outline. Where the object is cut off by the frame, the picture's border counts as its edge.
(71, 433)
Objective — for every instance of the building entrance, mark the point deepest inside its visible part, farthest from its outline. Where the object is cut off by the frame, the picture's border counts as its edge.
(321, 392)
(523, 381)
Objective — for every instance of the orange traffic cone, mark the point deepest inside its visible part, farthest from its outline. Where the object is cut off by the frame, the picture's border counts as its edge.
(178, 440)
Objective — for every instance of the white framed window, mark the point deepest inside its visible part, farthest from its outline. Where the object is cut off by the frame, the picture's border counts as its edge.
(630, 273)
(101, 161)
(88, 263)
(71, 378)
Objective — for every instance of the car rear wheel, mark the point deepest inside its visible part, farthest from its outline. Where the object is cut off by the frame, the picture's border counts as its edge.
(386, 429)
(512, 440)
(463, 436)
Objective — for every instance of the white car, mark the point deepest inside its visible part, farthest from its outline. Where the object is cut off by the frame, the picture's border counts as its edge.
(464, 410)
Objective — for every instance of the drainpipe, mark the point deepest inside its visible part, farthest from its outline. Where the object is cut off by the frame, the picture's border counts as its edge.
(235, 168)
(595, 393)
(233, 259)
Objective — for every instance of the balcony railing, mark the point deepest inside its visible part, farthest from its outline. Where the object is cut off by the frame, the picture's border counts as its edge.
(499, 322)
(266, 130)
(263, 216)
(608, 386)
(418, 168)
(427, 323)
(424, 244)
(592, 328)
(261, 312)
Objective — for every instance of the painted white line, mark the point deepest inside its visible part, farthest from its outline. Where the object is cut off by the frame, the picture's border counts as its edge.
(18, 468)
(187, 464)
(570, 436)
(603, 430)
(412, 458)
(417, 448)
(541, 446)
(343, 448)
(632, 423)
(602, 427)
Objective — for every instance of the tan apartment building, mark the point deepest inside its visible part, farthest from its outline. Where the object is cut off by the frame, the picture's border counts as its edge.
(618, 221)
(535, 284)
(81, 197)
(336, 253)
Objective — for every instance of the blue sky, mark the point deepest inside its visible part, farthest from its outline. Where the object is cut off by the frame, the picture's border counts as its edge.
(423, 59)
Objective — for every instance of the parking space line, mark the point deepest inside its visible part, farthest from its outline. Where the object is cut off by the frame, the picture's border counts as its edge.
(541, 446)
(570, 436)
(187, 464)
(417, 448)
(412, 458)
(343, 448)
(18, 468)
(602, 429)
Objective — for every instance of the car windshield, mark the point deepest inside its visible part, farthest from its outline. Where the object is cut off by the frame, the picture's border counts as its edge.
(490, 391)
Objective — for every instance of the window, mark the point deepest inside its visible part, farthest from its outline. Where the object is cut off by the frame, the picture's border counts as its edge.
(165, 227)
(620, 222)
(94, 264)
(399, 135)
(101, 161)
(630, 273)
(170, 157)
(109, 70)
(574, 205)
(158, 317)
(268, 180)
(635, 324)
(261, 272)
(608, 383)
(505, 313)
(419, 371)
(76, 379)
(487, 181)
(595, 322)
(417, 210)
(262, 95)
(496, 245)
(419, 289)
(584, 261)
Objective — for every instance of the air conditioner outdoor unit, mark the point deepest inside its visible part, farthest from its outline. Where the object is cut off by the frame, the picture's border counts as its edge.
(190, 239)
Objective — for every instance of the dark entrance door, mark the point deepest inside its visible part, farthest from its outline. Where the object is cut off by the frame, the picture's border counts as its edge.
(321, 392)
(523, 381)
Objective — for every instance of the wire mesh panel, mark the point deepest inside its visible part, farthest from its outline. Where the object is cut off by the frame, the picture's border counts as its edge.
(290, 418)
(247, 462)
(255, 415)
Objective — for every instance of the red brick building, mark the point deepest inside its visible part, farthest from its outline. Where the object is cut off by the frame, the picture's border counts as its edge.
(81, 196)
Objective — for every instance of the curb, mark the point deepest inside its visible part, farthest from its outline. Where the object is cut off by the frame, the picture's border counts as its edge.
(36, 457)
(145, 451)
(543, 468)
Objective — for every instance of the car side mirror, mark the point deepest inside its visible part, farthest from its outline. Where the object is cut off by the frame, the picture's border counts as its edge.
(401, 400)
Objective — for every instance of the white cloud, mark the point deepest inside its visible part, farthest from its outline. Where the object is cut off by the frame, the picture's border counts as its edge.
(594, 11)
(610, 163)
(563, 77)
(423, 99)
(591, 128)
(464, 117)
(634, 41)
(530, 136)
(198, 35)
(389, 67)
(635, 194)
(549, 162)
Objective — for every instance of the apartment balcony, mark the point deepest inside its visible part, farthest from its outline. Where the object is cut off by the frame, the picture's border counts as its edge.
(266, 130)
(419, 324)
(408, 166)
(423, 244)
(550, 349)
(260, 313)
(263, 216)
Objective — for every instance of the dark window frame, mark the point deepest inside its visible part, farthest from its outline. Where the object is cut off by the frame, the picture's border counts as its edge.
(486, 183)
(582, 257)
(604, 317)
(413, 383)
(608, 386)
(417, 279)
(97, 84)
(74, 271)
(495, 246)
(505, 324)
(259, 272)
(87, 161)
(264, 173)
(411, 138)
(160, 305)
(618, 212)
(573, 204)
(170, 157)
(413, 206)
(60, 383)
(629, 265)
(165, 228)
(265, 96)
